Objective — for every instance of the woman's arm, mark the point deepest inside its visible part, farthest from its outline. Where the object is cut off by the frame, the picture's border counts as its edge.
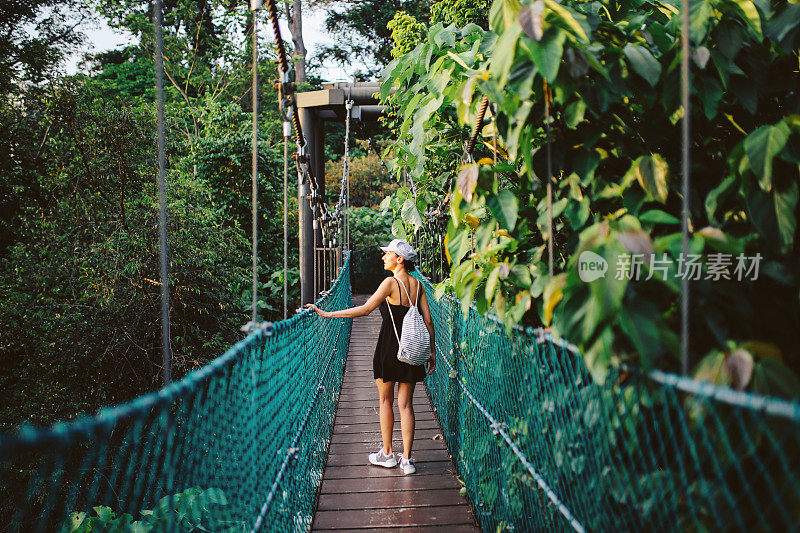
(426, 316)
(384, 290)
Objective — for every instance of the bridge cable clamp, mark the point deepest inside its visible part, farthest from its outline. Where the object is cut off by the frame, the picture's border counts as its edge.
(496, 427)
(266, 327)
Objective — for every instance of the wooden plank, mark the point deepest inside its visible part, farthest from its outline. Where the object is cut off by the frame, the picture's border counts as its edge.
(388, 484)
(367, 470)
(411, 498)
(360, 458)
(448, 528)
(369, 447)
(373, 426)
(346, 417)
(391, 517)
(419, 435)
(370, 402)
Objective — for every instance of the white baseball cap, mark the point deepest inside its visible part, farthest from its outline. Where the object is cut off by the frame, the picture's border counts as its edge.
(401, 248)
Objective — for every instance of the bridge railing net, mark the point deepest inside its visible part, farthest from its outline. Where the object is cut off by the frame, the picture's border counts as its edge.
(234, 446)
(541, 446)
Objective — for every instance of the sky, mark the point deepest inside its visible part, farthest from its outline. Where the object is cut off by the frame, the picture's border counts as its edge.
(101, 38)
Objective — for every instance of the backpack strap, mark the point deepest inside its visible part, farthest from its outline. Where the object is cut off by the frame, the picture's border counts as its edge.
(407, 295)
(391, 315)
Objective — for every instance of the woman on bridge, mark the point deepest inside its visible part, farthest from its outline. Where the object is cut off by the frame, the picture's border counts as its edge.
(387, 370)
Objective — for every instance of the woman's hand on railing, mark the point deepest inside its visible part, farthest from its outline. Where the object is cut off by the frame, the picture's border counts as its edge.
(431, 364)
(320, 312)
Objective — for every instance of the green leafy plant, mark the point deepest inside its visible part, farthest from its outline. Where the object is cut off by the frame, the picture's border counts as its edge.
(587, 93)
(193, 510)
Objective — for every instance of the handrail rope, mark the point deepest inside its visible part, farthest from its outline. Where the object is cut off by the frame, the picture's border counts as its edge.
(727, 395)
(163, 245)
(499, 428)
(255, 6)
(292, 450)
(28, 437)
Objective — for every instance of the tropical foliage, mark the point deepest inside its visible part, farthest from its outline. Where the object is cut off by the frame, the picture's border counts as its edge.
(194, 509)
(78, 237)
(588, 93)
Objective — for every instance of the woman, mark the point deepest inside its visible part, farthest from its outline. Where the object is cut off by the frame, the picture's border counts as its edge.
(394, 296)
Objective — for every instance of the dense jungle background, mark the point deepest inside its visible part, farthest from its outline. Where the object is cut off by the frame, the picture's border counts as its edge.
(79, 289)
(593, 84)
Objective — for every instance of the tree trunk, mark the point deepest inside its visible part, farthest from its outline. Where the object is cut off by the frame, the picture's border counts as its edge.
(295, 20)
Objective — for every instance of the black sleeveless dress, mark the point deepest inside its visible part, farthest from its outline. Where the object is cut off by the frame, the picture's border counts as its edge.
(385, 364)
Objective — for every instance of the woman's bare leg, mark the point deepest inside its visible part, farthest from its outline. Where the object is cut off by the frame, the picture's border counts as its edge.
(386, 399)
(405, 401)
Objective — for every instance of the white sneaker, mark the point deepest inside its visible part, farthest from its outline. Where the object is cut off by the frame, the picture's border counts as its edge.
(407, 465)
(383, 459)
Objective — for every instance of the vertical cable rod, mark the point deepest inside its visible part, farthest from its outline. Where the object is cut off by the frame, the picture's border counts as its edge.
(287, 132)
(163, 251)
(255, 5)
(549, 182)
(685, 171)
(346, 169)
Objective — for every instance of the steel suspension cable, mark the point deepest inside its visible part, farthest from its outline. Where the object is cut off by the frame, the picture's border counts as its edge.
(685, 171)
(163, 251)
(283, 62)
(549, 183)
(478, 123)
(346, 173)
(287, 132)
(255, 5)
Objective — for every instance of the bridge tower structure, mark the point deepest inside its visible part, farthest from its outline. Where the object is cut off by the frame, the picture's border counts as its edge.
(315, 108)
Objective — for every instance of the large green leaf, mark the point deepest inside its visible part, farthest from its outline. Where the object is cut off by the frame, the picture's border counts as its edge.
(651, 172)
(546, 54)
(410, 213)
(762, 146)
(458, 243)
(574, 112)
(750, 14)
(598, 356)
(785, 206)
(504, 207)
(398, 230)
(656, 216)
(700, 12)
(772, 377)
(639, 320)
(504, 52)
(643, 62)
(569, 19)
(716, 195)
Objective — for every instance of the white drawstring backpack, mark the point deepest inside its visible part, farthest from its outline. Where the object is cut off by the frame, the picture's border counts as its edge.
(415, 342)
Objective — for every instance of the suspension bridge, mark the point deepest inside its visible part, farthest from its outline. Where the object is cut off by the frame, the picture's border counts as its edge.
(513, 432)
(273, 436)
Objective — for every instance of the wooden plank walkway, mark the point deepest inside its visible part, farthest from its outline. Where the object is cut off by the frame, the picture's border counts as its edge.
(356, 495)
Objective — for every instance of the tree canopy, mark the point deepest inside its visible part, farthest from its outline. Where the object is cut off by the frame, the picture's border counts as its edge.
(35, 36)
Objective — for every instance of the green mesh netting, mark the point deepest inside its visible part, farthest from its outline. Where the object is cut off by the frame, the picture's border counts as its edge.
(237, 445)
(542, 447)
